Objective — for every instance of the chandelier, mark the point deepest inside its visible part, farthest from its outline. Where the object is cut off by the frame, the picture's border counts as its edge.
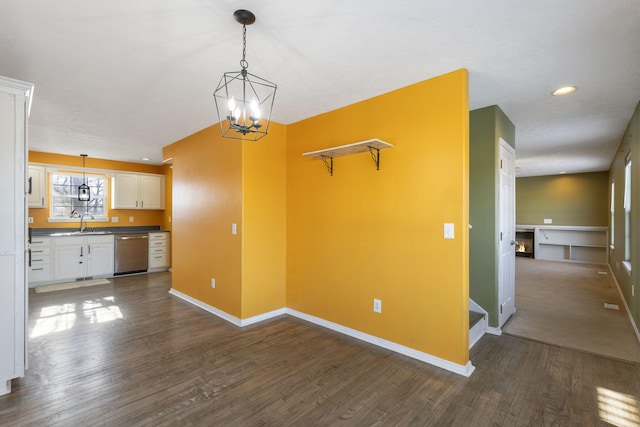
(244, 100)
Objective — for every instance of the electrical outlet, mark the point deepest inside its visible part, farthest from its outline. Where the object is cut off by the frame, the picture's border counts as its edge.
(130, 219)
(377, 305)
(114, 219)
(234, 229)
(30, 220)
(213, 283)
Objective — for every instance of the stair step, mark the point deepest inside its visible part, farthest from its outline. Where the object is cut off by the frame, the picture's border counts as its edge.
(474, 317)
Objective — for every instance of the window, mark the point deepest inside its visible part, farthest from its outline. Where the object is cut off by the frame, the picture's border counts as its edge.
(627, 209)
(64, 195)
(613, 213)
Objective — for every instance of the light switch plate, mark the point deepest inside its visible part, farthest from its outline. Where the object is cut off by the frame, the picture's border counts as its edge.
(234, 229)
(448, 231)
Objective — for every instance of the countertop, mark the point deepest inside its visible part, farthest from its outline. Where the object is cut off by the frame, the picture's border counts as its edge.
(107, 230)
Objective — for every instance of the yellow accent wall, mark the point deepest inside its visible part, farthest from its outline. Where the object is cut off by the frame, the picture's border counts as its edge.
(363, 234)
(141, 217)
(216, 183)
(327, 245)
(264, 223)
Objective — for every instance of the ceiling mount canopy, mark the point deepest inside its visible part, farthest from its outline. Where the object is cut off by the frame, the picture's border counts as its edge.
(243, 100)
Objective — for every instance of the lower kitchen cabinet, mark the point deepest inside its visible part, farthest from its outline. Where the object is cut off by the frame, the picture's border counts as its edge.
(158, 251)
(77, 257)
(40, 260)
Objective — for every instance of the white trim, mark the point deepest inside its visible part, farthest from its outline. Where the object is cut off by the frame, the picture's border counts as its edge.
(464, 370)
(624, 301)
(77, 220)
(493, 331)
(224, 315)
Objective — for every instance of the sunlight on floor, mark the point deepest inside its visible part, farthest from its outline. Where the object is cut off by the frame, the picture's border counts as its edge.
(618, 409)
(57, 318)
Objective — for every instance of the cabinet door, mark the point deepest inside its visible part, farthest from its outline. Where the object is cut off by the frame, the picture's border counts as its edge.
(151, 192)
(69, 259)
(100, 258)
(125, 191)
(38, 177)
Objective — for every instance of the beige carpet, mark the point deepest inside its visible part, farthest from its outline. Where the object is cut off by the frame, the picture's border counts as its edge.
(563, 303)
(71, 285)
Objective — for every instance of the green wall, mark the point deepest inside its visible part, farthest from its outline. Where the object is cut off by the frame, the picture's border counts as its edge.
(573, 199)
(630, 145)
(486, 127)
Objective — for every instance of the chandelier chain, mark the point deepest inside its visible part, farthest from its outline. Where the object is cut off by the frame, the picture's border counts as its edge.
(244, 64)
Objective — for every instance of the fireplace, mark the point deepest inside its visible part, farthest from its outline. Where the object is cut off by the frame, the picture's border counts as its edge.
(524, 245)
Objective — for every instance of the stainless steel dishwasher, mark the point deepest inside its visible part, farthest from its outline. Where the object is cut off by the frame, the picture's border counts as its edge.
(131, 253)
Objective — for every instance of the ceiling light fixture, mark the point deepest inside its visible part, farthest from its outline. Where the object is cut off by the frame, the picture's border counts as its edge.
(566, 90)
(244, 101)
(84, 193)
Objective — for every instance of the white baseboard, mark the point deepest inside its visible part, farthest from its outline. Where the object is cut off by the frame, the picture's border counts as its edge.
(624, 301)
(5, 387)
(224, 315)
(494, 331)
(465, 370)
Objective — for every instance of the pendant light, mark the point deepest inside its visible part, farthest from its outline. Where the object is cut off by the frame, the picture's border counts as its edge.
(243, 100)
(84, 193)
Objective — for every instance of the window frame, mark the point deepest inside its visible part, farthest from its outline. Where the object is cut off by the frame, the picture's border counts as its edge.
(75, 174)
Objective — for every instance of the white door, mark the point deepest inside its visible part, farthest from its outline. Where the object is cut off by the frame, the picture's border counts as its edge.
(507, 236)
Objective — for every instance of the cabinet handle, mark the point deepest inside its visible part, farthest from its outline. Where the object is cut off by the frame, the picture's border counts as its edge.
(37, 269)
(81, 248)
(30, 185)
(29, 257)
(142, 204)
(89, 249)
(136, 203)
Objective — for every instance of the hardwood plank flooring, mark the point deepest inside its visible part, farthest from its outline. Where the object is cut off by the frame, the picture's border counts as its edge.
(130, 354)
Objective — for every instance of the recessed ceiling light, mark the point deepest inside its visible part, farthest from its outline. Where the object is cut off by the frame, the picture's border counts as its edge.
(564, 91)
(562, 172)
(146, 159)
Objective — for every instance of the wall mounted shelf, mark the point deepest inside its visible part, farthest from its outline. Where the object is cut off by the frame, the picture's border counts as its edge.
(373, 146)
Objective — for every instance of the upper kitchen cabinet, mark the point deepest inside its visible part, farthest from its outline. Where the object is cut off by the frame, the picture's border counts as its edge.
(37, 187)
(137, 191)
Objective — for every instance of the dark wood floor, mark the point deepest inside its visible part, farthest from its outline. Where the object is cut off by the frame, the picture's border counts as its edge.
(130, 354)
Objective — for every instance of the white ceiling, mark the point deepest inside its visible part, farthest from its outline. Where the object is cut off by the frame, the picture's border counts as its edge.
(120, 79)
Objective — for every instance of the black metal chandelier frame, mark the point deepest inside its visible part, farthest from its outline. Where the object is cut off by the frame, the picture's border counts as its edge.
(241, 96)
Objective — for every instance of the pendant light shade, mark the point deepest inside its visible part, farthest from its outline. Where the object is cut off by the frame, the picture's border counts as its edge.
(84, 192)
(243, 100)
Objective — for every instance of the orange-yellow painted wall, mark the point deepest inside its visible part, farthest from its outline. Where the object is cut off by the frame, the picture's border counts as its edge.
(264, 223)
(141, 217)
(207, 199)
(363, 234)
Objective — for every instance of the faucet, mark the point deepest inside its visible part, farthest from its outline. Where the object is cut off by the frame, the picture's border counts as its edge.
(83, 224)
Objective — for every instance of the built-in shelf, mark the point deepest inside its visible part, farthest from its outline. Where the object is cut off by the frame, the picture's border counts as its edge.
(565, 243)
(373, 146)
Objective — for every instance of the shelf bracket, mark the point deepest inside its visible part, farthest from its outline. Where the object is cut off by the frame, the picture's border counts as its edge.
(328, 162)
(375, 155)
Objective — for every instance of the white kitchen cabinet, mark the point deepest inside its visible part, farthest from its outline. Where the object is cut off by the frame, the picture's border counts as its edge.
(15, 102)
(100, 256)
(40, 267)
(158, 251)
(137, 191)
(69, 258)
(38, 186)
(79, 257)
